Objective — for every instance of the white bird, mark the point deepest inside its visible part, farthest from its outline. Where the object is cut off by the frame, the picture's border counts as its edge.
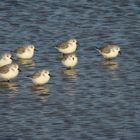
(40, 77)
(5, 59)
(9, 71)
(69, 60)
(25, 52)
(109, 51)
(68, 46)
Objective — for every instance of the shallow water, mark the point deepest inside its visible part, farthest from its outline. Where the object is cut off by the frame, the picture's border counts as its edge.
(94, 101)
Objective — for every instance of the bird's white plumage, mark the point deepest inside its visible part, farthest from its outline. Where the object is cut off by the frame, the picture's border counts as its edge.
(109, 51)
(5, 59)
(67, 47)
(69, 60)
(9, 71)
(25, 52)
(40, 77)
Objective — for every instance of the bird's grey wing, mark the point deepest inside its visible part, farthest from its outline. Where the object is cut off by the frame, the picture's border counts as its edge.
(63, 45)
(106, 49)
(4, 69)
(36, 75)
(20, 50)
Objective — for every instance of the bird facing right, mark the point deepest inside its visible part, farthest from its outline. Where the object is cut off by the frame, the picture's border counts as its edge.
(109, 51)
(68, 46)
(40, 77)
(9, 71)
(5, 59)
(25, 52)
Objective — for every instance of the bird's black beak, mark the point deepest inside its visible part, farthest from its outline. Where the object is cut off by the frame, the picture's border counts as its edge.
(50, 75)
(78, 43)
(19, 70)
(120, 52)
(36, 49)
(13, 59)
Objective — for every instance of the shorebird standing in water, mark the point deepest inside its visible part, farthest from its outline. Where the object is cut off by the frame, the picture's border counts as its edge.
(25, 52)
(109, 51)
(40, 77)
(9, 71)
(5, 59)
(69, 60)
(68, 46)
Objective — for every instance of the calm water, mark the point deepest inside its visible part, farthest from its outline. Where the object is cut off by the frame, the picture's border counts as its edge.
(99, 101)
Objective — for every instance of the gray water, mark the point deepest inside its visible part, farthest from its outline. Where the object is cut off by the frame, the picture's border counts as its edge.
(98, 101)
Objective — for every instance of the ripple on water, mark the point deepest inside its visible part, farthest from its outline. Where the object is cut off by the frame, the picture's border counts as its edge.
(97, 99)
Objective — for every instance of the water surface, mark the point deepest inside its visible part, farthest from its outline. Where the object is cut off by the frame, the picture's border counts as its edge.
(99, 101)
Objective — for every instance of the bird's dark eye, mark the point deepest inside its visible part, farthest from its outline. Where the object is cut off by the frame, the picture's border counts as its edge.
(73, 58)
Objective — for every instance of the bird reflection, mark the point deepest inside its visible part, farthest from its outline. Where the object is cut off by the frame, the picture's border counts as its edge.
(40, 89)
(9, 85)
(110, 64)
(112, 67)
(26, 62)
(69, 73)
